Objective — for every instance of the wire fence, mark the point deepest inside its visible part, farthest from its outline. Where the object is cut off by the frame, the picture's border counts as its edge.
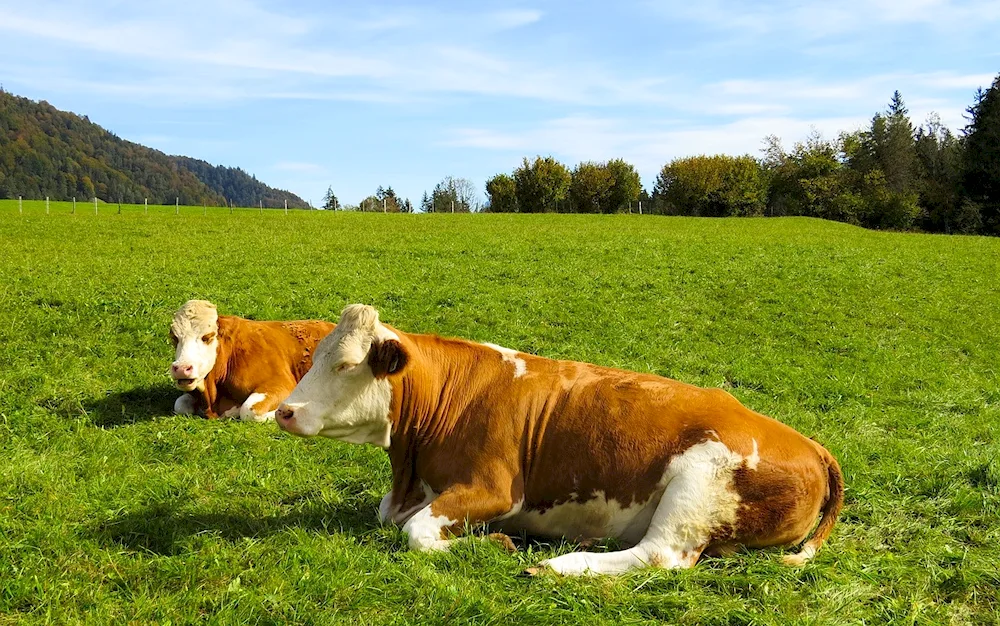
(94, 206)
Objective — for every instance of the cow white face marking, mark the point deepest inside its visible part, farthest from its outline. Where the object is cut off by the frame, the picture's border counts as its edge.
(195, 334)
(510, 356)
(341, 397)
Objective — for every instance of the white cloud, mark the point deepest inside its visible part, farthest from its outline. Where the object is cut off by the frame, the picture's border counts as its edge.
(514, 18)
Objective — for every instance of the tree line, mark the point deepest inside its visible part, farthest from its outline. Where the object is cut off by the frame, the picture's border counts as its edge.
(890, 174)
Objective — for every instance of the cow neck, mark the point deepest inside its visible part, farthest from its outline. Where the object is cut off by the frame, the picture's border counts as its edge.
(427, 399)
(227, 342)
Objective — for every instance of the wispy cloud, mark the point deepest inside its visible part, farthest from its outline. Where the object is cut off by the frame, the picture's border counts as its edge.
(647, 143)
(646, 80)
(514, 18)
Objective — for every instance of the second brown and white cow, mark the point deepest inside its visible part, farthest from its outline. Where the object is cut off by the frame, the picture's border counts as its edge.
(231, 366)
(477, 433)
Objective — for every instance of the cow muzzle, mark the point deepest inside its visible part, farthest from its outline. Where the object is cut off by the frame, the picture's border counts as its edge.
(184, 376)
(291, 418)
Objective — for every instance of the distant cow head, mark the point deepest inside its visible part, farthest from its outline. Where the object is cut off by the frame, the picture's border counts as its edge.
(195, 334)
(346, 394)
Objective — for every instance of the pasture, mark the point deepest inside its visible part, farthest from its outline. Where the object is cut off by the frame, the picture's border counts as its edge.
(880, 345)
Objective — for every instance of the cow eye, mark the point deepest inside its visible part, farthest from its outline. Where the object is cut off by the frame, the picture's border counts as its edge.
(208, 338)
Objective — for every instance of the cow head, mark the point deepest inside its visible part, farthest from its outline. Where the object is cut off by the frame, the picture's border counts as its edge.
(346, 394)
(195, 335)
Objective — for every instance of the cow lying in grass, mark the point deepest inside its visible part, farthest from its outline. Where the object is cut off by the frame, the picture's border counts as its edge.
(230, 366)
(477, 433)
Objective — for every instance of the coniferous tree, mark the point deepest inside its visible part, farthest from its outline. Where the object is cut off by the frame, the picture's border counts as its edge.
(981, 178)
(330, 202)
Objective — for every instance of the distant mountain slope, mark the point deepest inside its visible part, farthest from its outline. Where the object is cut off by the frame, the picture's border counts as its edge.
(239, 187)
(48, 152)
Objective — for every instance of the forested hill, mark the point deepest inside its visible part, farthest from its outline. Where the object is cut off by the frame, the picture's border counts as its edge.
(241, 188)
(45, 152)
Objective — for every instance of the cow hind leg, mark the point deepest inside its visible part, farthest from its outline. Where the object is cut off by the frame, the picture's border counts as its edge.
(696, 502)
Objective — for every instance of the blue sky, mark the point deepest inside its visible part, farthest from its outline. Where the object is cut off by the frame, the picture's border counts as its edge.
(355, 95)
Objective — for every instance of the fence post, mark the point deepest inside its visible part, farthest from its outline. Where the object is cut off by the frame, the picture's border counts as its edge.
(46, 205)
(177, 206)
(230, 206)
(95, 205)
(640, 207)
(20, 206)
(145, 205)
(261, 207)
(204, 209)
(286, 206)
(74, 205)
(119, 205)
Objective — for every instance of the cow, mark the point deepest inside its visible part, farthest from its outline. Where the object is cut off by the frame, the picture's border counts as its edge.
(479, 434)
(231, 366)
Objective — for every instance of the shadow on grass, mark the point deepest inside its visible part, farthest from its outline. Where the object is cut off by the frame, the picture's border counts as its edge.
(164, 530)
(132, 406)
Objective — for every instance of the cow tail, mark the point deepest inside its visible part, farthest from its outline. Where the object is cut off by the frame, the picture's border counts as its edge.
(831, 509)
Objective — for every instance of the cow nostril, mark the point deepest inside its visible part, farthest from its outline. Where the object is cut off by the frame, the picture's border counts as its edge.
(284, 413)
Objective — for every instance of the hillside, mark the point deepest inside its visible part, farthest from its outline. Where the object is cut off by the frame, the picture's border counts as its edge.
(241, 188)
(48, 152)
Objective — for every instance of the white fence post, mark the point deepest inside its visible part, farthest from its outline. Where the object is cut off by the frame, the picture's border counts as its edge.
(261, 207)
(74, 205)
(95, 205)
(145, 205)
(20, 206)
(177, 206)
(46, 205)
(640, 207)
(286, 206)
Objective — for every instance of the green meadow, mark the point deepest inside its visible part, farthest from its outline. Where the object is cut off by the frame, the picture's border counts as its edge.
(882, 346)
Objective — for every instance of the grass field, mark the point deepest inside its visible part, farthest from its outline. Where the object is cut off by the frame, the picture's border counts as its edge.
(882, 346)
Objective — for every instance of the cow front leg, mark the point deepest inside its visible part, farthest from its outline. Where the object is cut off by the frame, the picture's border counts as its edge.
(434, 527)
(259, 406)
(186, 404)
(385, 508)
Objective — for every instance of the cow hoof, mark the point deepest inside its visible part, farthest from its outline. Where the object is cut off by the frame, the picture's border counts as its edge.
(505, 542)
(532, 572)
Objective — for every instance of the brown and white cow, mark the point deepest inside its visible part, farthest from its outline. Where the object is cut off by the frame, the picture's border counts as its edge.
(477, 433)
(231, 366)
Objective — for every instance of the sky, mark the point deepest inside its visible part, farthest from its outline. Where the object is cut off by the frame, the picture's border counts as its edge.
(308, 95)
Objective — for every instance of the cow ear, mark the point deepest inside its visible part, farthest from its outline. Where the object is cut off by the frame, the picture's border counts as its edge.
(387, 357)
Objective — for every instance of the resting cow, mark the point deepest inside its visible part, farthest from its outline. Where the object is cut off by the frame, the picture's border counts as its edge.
(231, 366)
(477, 433)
